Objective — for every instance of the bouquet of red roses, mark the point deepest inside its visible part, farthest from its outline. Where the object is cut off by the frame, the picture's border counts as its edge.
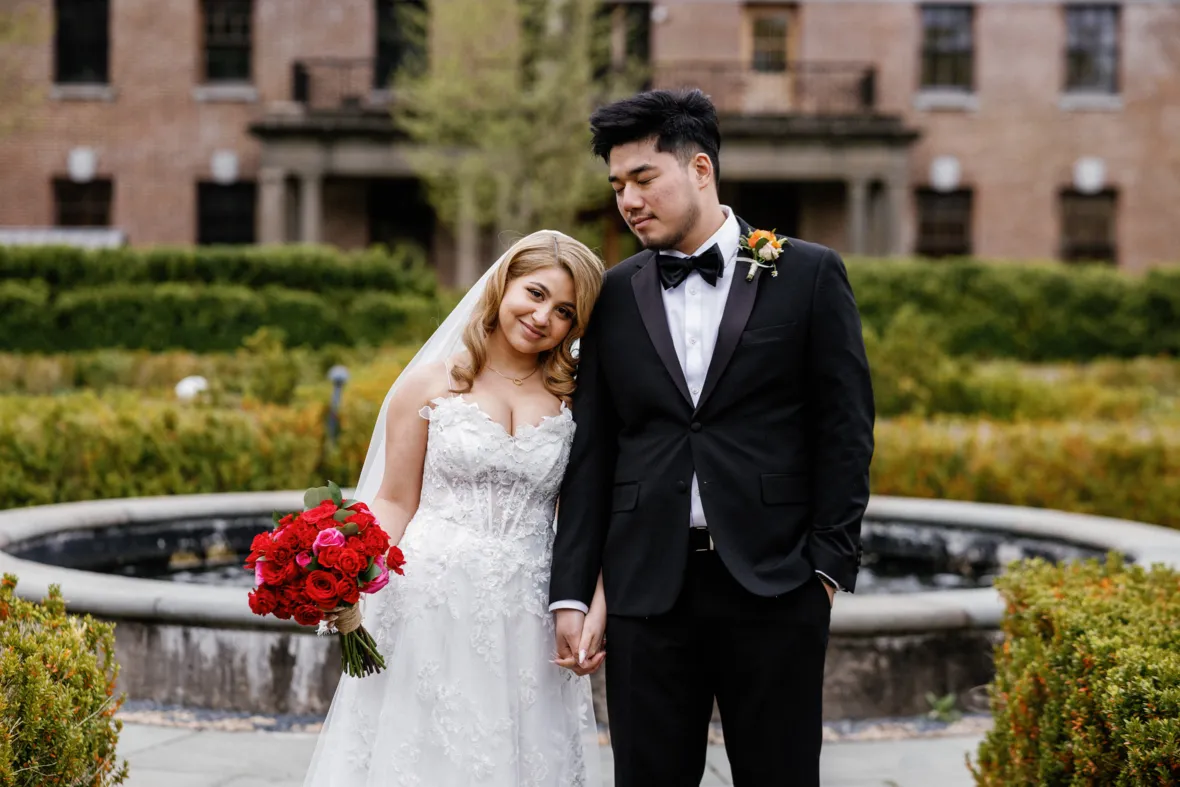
(317, 562)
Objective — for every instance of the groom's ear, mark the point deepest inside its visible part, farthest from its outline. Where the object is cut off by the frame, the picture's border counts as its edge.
(702, 167)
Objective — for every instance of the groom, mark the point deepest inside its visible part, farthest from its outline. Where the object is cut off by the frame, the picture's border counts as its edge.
(719, 470)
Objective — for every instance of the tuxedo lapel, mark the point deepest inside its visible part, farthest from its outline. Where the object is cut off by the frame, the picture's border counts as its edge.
(738, 307)
(646, 283)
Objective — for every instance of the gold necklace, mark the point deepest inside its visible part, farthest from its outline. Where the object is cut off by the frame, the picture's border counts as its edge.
(517, 380)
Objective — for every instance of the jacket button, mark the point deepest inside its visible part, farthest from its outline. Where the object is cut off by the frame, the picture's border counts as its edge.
(681, 486)
(696, 426)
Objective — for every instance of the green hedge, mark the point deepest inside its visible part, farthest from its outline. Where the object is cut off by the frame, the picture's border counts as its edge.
(1032, 312)
(1087, 687)
(205, 318)
(1126, 470)
(57, 709)
(83, 446)
(310, 268)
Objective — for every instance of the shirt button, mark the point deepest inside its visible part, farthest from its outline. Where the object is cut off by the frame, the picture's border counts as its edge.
(696, 391)
(692, 290)
(692, 340)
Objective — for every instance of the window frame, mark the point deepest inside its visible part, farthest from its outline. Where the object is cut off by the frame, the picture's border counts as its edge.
(79, 26)
(1074, 49)
(215, 235)
(208, 77)
(1071, 250)
(99, 203)
(932, 54)
(923, 246)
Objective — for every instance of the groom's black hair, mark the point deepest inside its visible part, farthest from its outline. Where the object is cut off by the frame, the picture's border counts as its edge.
(683, 122)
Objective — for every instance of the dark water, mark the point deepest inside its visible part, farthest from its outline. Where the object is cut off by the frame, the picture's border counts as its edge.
(899, 557)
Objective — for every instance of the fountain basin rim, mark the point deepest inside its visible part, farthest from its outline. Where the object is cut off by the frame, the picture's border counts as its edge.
(132, 598)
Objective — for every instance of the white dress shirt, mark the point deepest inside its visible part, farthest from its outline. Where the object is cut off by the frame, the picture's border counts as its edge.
(694, 310)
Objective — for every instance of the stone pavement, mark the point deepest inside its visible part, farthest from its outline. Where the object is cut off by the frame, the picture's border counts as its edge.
(179, 757)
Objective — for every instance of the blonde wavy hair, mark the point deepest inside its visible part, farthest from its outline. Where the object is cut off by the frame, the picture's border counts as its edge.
(542, 249)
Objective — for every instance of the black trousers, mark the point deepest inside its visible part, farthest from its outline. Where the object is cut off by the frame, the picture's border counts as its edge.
(761, 658)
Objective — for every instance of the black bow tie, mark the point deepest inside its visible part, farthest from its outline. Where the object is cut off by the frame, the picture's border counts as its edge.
(674, 270)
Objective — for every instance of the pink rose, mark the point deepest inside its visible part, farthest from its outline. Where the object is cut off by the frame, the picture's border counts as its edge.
(258, 581)
(381, 580)
(330, 537)
(304, 558)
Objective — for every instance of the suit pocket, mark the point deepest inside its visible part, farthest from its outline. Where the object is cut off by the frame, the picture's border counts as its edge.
(780, 489)
(625, 497)
(771, 333)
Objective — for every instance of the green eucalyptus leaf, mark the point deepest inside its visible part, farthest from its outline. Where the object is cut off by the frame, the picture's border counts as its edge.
(337, 495)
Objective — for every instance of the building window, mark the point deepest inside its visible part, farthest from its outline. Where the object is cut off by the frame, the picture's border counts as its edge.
(228, 46)
(225, 214)
(769, 28)
(82, 204)
(948, 47)
(82, 42)
(1092, 48)
(944, 223)
(401, 34)
(1088, 227)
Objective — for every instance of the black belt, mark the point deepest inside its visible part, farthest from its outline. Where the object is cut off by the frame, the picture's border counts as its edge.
(699, 540)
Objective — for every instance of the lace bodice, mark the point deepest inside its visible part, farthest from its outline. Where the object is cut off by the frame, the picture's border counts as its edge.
(469, 697)
(479, 476)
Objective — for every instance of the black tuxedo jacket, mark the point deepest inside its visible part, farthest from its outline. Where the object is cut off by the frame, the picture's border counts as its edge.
(780, 440)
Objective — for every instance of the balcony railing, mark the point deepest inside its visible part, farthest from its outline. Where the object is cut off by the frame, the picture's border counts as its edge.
(797, 89)
(336, 84)
(828, 89)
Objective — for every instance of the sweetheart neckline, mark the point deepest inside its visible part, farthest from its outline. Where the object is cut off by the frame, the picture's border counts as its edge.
(515, 435)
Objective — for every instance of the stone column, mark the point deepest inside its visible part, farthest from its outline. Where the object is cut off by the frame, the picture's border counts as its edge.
(896, 192)
(272, 183)
(311, 207)
(858, 215)
(466, 239)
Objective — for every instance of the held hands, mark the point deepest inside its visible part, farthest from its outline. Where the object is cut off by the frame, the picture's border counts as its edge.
(580, 639)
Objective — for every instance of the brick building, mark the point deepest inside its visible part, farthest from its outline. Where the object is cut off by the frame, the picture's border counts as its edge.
(1001, 128)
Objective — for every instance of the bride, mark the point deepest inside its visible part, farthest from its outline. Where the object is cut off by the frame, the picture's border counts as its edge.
(463, 470)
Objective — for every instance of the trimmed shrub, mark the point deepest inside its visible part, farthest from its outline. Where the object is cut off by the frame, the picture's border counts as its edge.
(83, 446)
(317, 269)
(1125, 470)
(208, 318)
(1087, 686)
(1031, 312)
(58, 704)
(25, 317)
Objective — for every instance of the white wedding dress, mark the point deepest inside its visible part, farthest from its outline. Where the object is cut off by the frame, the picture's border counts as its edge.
(469, 696)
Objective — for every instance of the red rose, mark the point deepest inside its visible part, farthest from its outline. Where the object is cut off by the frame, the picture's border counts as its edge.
(275, 574)
(252, 559)
(395, 560)
(348, 591)
(329, 556)
(261, 542)
(324, 510)
(356, 544)
(308, 614)
(376, 541)
(321, 589)
(305, 533)
(286, 520)
(350, 563)
(282, 611)
(293, 596)
(263, 601)
(362, 520)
